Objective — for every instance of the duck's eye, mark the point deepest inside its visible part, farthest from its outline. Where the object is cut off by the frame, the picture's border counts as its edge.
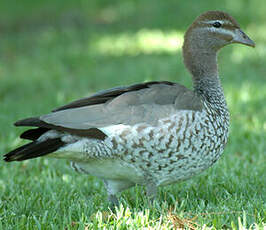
(216, 24)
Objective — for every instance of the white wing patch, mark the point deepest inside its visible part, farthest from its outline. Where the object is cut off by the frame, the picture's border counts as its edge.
(114, 129)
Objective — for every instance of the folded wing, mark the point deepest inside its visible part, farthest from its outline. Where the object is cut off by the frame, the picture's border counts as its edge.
(141, 103)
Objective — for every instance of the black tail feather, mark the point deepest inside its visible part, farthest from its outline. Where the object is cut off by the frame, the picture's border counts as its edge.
(34, 149)
(33, 134)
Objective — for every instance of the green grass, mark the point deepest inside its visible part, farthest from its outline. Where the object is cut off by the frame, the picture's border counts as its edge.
(52, 53)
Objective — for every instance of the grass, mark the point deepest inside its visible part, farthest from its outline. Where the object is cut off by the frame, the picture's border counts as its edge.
(51, 54)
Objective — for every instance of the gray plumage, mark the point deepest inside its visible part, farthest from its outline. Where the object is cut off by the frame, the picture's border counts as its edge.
(147, 105)
(152, 134)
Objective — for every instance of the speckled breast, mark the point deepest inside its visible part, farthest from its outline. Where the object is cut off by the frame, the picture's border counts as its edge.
(177, 148)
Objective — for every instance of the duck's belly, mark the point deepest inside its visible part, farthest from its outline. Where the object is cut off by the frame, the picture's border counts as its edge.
(110, 169)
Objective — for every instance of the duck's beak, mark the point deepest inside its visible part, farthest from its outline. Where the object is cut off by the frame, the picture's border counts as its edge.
(242, 38)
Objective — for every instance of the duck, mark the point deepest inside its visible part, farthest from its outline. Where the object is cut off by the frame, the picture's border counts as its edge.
(150, 134)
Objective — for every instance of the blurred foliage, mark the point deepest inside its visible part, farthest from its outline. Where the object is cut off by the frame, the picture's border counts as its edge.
(125, 15)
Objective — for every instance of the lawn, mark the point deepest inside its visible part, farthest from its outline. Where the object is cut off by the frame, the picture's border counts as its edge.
(53, 52)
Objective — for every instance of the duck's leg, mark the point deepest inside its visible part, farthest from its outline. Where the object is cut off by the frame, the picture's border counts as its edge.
(113, 187)
(151, 190)
(113, 201)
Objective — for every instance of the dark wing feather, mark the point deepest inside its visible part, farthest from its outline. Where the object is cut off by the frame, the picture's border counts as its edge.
(33, 134)
(106, 95)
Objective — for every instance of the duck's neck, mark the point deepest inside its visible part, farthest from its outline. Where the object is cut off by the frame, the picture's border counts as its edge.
(201, 63)
(203, 66)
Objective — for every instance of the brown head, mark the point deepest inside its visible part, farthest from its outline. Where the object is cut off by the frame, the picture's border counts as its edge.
(206, 35)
